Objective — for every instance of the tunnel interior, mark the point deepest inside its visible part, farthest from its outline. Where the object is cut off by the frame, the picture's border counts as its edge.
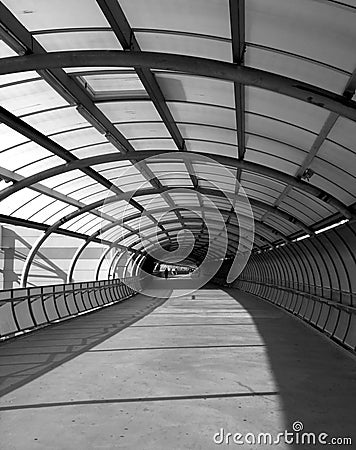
(170, 166)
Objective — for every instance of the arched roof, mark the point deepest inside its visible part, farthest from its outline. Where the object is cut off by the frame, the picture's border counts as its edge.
(91, 90)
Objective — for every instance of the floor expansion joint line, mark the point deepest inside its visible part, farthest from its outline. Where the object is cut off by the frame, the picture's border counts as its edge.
(140, 399)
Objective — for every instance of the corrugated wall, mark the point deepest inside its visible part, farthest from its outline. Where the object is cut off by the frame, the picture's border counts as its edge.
(314, 278)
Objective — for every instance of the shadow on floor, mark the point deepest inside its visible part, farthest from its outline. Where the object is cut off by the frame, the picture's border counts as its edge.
(316, 379)
(26, 358)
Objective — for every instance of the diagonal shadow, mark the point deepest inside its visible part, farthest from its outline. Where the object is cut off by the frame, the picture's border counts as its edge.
(26, 358)
(314, 376)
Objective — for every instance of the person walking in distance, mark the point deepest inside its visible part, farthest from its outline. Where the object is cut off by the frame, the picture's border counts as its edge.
(166, 273)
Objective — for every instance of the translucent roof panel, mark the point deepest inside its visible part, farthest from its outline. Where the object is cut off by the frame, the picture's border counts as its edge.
(297, 68)
(87, 151)
(29, 158)
(203, 114)
(114, 85)
(6, 51)
(297, 27)
(279, 129)
(56, 121)
(180, 15)
(310, 41)
(153, 144)
(44, 15)
(16, 77)
(201, 46)
(133, 111)
(206, 133)
(79, 137)
(51, 213)
(288, 109)
(79, 40)
(29, 97)
(143, 130)
(212, 147)
(196, 89)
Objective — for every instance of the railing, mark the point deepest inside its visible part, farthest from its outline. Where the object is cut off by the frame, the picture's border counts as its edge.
(27, 309)
(334, 318)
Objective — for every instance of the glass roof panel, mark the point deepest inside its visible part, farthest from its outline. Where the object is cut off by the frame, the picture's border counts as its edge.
(16, 200)
(5, 50)
(96, 196)
(265, 197)
(78, 222)
(86, 188)
(203, 47)
(61, 213)
(153, 144)
(29, 97)
(27, 209)
(79, 40)
(266, 126)
(299, 27)
(341, 157)
(94, 150)
(334, 181)
(204, 114)
(285, 227)
(16, 77)
(78, 138)
(278, 149)
(285, 108)
(271, 161)
(93, 226)
(177, 87)
(180, 15)
(197, 131)
(50, 213)
(39, 166)
(218, 184)
(119, 206)
(335, 175)
(270, 183)
(133, 111)
(142, 130)
(257, 188)
(44, 15)
(114, 85)
(24, 154)
(212, 147)
(9, 137)
(300, 211)
(312, 202)
(56, 121)
(67, 177)
(296, 68)
(344, 133)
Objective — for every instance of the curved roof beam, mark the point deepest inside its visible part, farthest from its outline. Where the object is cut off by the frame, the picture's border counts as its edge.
(150, 191)
(180, 63)
(169, 222)
(225, 160)
(196, 208)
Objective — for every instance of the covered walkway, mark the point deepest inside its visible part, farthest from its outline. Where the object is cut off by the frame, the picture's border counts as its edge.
(171, 372)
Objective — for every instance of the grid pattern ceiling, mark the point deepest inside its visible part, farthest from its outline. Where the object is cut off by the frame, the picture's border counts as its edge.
(268, 136)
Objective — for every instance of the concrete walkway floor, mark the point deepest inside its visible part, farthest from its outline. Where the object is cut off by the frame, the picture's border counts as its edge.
(150, 374)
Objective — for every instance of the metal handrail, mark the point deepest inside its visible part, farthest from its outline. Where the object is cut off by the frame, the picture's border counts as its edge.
(27, 309)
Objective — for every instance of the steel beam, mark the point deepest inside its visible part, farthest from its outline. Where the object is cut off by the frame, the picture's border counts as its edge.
(348, 92)
(189, 64)
(225, 160)
(237, 25)
(124, 196)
